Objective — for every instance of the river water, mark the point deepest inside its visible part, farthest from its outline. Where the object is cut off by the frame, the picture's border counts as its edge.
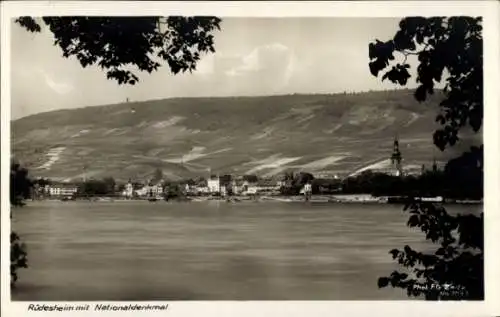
(210, 250)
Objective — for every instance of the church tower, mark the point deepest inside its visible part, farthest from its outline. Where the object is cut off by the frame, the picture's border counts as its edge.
(396, 157)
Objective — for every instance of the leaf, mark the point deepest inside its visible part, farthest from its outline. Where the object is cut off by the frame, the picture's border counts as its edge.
(440, 118)
(383, 282)
(420, 93)
(407, 249)
(440, 251)
(413, 221)
(374, 69)
(29, 23)
(371, 51)
(394, 253)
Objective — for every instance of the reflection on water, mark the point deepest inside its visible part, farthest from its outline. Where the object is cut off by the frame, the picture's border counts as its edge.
(210, 250)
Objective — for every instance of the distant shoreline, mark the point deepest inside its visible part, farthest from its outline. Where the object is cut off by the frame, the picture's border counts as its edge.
(326, 199)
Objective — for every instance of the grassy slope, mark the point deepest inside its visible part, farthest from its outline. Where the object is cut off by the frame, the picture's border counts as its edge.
(237, 135)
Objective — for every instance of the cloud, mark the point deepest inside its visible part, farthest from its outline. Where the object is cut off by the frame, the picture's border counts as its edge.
(58, 87)
(261, 58)
(266, 68)
(249, 63)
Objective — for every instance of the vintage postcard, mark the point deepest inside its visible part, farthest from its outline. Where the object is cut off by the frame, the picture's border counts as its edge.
(254, 158)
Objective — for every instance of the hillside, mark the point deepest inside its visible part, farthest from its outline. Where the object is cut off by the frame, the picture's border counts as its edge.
(184, 137)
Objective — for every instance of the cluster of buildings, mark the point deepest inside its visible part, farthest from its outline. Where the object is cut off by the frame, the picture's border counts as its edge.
(239, 186)
(214, 185)
(61, 190)
(138, 190)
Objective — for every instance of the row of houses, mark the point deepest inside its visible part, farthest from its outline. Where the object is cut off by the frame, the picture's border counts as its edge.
(238, 186)
(215, 185)
(220, 185)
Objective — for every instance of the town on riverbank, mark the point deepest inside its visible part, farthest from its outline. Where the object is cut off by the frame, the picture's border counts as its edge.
(451, 184)
(367, 187)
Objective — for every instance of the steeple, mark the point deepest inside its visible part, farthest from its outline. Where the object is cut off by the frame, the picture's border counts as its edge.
(396, 157)
(434, 165)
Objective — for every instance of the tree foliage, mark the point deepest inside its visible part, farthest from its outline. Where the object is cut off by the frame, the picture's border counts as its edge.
(117, 43)
(96, 187)
(453, 45)
(461, 179)
(455, 270)
(445, 46)
(294, 182)
(174, 191)
(303, 178)
(321, 186)
(110, 184)
(20, 186)
(251, 178)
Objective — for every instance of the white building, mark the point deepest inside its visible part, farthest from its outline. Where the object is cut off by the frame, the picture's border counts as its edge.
(62, 190)
(129, 190)
(251, 190)
(142, 192)
(239, 186)
(202, 190)
(213, 185)
(157, 189)
(223, 190)
(150, 190)
(307, 189)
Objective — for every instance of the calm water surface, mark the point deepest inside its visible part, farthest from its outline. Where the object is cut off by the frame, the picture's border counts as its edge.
(210, 250)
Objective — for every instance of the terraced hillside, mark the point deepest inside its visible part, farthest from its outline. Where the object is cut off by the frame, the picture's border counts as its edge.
(185, 137)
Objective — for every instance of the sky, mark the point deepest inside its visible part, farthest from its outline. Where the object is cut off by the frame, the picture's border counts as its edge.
(254, 56)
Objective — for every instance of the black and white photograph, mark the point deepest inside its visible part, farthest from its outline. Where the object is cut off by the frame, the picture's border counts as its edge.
(204, 157)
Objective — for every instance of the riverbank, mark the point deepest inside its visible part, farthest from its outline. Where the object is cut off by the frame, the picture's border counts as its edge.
(333, 199)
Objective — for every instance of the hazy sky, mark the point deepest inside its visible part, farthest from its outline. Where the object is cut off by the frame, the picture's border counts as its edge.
(255, 56)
